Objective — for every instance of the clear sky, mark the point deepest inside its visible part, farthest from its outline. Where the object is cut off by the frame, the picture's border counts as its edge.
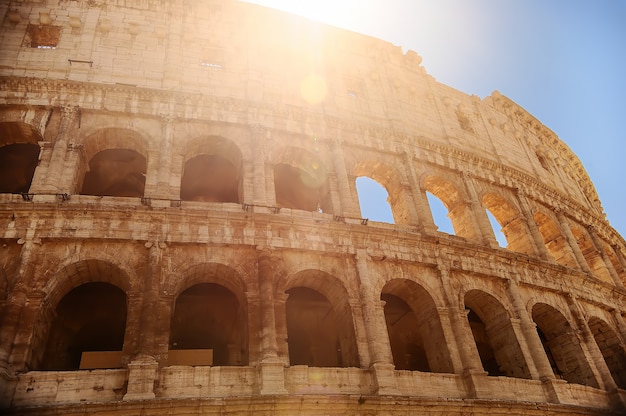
(564, 61)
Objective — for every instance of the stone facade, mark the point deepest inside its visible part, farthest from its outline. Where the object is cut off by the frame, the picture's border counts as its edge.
(181, 230)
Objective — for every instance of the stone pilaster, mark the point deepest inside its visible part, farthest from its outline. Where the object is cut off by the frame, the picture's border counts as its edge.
(605, 257)
(424, 214)
(54, 174)
(345, 197)
(537, 238)
(590, 347)
(258, 166)
(571, 240)
(271, 368)
(478, 213)
(381, 360)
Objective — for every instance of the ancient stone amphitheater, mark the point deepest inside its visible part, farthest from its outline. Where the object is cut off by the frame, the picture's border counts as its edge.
(181, 231)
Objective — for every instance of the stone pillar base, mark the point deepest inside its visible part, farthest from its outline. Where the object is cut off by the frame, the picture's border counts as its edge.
(551, 389)
(141, 376)
(272, 378)
(8, 382)
(384, 379)
(475, 383)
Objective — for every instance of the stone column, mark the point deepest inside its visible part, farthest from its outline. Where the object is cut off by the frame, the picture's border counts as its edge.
(538, 364)
(143, 368)
(56, 167)
(472, 370)
(348, 208)
(17, 299)
(571, 240)
(271, 368)
(590, 347)
(479, 214)
(39, 182)
(605, 257)
(424, 213)
(162, 189)
(381, 360)
(259, 185)
(537, 238)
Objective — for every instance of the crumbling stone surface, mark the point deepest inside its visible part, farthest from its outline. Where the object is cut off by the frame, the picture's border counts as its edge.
(181, 231)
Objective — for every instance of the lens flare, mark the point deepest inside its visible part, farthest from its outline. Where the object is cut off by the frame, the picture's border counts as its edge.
(313, 89)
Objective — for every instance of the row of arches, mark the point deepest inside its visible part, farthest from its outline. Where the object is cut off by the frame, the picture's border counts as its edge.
(212, 169)
(320, 327)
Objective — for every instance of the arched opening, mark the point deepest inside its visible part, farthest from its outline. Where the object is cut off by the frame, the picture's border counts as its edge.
(384, 183)
(592, 256)
(415, 332)
(497, 230)
(208, 328)
(301, 181)
(554, 241)
(497, 344)
(515, 234)
(612, 350)
(17, 167)
(19, 156)
(373, 200)
(562, 346)
(440, 214)
(440, 191)
(212, 172)
(319, 334)
(115, 172)
(87, 329)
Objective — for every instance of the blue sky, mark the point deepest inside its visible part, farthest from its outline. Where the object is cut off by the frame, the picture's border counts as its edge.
(562, 60)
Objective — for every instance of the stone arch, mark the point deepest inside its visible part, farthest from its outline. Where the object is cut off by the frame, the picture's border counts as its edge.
(415, 331)
(612, 349)
(494, 335)
(562, 346)
(212, 171)
(555, 241)
(591, 254)
(116, 163)
(319, 319)
(512, 222)
(390, 179)
(301, 180)
(19, 156)
(209, 320)
(69, 323)
(459, 211)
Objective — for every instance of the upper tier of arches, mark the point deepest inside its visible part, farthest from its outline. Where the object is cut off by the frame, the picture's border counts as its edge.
(232, 163)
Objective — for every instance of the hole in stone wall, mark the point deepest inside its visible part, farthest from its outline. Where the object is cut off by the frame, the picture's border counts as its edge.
(407, 343)
(298, 188)
(116, 172)
(373, 200)
(210, 178)
(612, 350)
(316, 332)
(208, 316)
(562, 346)
(43, 36)
(483, 344)
(497, 230)
(91, 317)
(17, 166)
(440, 214)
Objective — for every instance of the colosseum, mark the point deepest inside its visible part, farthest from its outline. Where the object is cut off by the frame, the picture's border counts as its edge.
(181, 232)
